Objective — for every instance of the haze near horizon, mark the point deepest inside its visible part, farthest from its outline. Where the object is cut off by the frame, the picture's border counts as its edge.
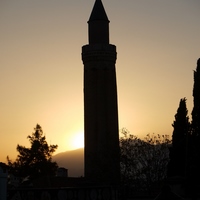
(41, 79)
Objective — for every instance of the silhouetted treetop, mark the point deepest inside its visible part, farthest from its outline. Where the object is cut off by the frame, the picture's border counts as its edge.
(180, 137)
(181, 123)
(143, 162)
(196, 101)
(34, 161)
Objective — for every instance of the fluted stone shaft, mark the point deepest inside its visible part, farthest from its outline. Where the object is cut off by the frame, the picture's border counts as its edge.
(101, 113)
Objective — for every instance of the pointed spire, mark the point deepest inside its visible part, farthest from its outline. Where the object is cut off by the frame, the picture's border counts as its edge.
(98, 12)
(98, 25)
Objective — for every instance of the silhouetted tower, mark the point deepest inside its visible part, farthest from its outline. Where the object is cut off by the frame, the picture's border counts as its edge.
(100, 101)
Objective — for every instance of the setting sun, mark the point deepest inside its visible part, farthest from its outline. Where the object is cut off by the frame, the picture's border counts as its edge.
(157, 54)
(78, 140)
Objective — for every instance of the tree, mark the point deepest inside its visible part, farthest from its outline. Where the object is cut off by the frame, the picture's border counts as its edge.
(195, 124)
(143, 162)
(180, 142)
(196, 100)
(35, 161)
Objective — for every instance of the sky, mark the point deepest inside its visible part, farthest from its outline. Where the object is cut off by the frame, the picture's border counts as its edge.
(41, 71)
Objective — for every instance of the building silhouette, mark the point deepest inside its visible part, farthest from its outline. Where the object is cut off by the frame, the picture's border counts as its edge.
(100, 102)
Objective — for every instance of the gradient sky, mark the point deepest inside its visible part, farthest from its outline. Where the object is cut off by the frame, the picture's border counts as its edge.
(41, 79)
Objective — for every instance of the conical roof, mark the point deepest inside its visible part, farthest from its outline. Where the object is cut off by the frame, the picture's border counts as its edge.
(98, 12)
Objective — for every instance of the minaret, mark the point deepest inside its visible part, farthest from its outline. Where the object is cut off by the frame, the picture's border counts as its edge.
(100, 102)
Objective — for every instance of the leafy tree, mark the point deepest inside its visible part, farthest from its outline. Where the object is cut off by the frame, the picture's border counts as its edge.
(34, 161)
(143, 162)
(180, 142)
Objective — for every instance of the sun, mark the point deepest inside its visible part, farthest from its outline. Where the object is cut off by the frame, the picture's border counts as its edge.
(78, 140)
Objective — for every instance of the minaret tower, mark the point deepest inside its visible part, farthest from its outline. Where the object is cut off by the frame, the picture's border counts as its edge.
(100, 102)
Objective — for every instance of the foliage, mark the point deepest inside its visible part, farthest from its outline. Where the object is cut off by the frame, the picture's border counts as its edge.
(181, 124)
(195, 124)
(143, 162)
(196, 100)
(34, 161)
(180, 141)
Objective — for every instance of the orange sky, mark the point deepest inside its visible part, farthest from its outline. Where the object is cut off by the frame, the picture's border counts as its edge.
(41, 79)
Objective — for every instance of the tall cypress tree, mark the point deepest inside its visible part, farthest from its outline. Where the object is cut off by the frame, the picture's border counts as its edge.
(196, 101)
(195, 125)
(179, 149)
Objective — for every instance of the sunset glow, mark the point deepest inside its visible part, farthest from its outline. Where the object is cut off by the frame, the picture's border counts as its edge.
(78, 140)
(41, 78)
